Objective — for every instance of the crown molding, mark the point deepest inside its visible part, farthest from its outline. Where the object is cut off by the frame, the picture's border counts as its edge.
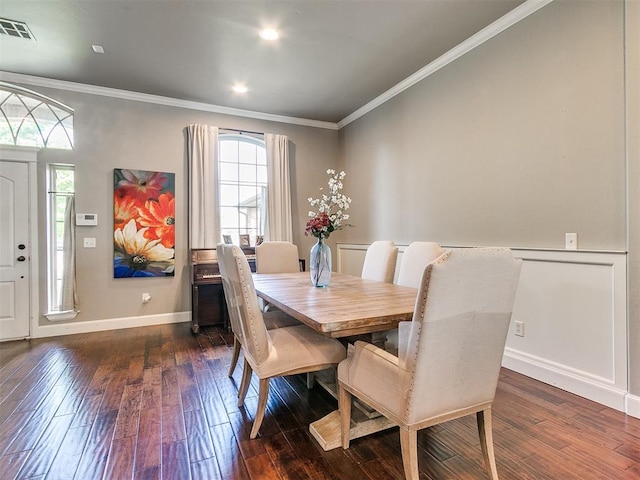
(514, 16)
(159, 100)
(519, 13)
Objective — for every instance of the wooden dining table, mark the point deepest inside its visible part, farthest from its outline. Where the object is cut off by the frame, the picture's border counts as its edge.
(348, 307)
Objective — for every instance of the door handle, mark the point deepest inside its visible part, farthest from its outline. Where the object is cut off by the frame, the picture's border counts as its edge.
(21, 258)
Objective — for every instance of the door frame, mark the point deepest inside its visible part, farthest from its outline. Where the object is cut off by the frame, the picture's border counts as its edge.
(29, 155)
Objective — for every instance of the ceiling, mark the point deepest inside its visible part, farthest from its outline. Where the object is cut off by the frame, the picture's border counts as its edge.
(333, 56)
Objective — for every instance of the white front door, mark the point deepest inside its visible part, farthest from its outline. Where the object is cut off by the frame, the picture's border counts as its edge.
(14, 250)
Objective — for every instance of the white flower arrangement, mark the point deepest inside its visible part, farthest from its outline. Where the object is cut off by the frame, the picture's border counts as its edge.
(330, 215)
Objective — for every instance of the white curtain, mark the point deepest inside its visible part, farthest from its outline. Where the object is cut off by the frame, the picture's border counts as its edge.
(204, 215)
(279, 223)
(264, 217)
(69, 294)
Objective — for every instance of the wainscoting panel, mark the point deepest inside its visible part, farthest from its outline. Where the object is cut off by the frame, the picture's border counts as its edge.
(573, 306)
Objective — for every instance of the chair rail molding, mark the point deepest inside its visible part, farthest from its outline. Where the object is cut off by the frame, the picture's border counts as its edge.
(573, 304)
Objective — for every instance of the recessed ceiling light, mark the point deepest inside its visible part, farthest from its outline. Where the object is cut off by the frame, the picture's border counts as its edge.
(269, 34)
(97, 48)
(240, 89)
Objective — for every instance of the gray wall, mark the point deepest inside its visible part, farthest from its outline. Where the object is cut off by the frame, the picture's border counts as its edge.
(112, 133)
(633, 155)
(514, 144)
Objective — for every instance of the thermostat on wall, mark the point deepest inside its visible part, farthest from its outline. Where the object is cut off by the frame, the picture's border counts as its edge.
(86, 219)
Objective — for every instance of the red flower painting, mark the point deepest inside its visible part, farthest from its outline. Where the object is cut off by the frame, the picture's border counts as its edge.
(143, 223)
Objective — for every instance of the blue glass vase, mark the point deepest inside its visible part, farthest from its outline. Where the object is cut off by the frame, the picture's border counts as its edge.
(320, 263)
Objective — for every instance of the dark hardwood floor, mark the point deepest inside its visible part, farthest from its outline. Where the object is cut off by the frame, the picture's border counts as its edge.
(156, 403)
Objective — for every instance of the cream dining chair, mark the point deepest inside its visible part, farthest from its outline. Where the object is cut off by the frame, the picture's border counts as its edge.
(271, 353)
(380, 261)
(414, 260)
(412, 264)
(450, 365)
(276, 257)
(273, 319)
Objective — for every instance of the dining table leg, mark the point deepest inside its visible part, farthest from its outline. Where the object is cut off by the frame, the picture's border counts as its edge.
(327, 430)
(364, 419)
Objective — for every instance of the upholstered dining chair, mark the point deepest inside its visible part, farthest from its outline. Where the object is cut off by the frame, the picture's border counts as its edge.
(271, 353)
(273, 319)
(380, 261)
(414, 260)
(277, 257)
(450, 365)
(232, 310)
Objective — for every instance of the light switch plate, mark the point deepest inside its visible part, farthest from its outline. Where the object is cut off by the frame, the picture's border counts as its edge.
(571, 241)
(89, 242)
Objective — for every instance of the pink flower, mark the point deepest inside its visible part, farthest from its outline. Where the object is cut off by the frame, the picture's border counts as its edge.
(320, 225)
(141, 185)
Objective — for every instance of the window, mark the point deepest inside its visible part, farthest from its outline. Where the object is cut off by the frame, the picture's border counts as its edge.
(32, 120)
(61, 184)
(243, 186)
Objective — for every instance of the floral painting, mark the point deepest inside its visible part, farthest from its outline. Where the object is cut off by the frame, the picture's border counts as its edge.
(143, 223)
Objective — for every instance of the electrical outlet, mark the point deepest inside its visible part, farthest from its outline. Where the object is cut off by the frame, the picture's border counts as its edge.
(519, 329)
(571, 241)
(146, 298)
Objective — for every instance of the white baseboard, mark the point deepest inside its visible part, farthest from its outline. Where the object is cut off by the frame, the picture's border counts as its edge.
(110, 324)
(561, 376)
(633, 406)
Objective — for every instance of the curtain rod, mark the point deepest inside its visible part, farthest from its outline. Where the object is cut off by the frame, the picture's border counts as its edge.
(61, 193)
(242, 131)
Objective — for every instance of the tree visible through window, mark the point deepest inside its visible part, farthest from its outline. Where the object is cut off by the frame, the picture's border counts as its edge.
(243, 186)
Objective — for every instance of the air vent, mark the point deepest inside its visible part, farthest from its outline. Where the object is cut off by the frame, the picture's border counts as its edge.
(15, 29)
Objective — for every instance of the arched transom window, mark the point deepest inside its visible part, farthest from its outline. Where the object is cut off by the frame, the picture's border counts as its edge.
(29, 119)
